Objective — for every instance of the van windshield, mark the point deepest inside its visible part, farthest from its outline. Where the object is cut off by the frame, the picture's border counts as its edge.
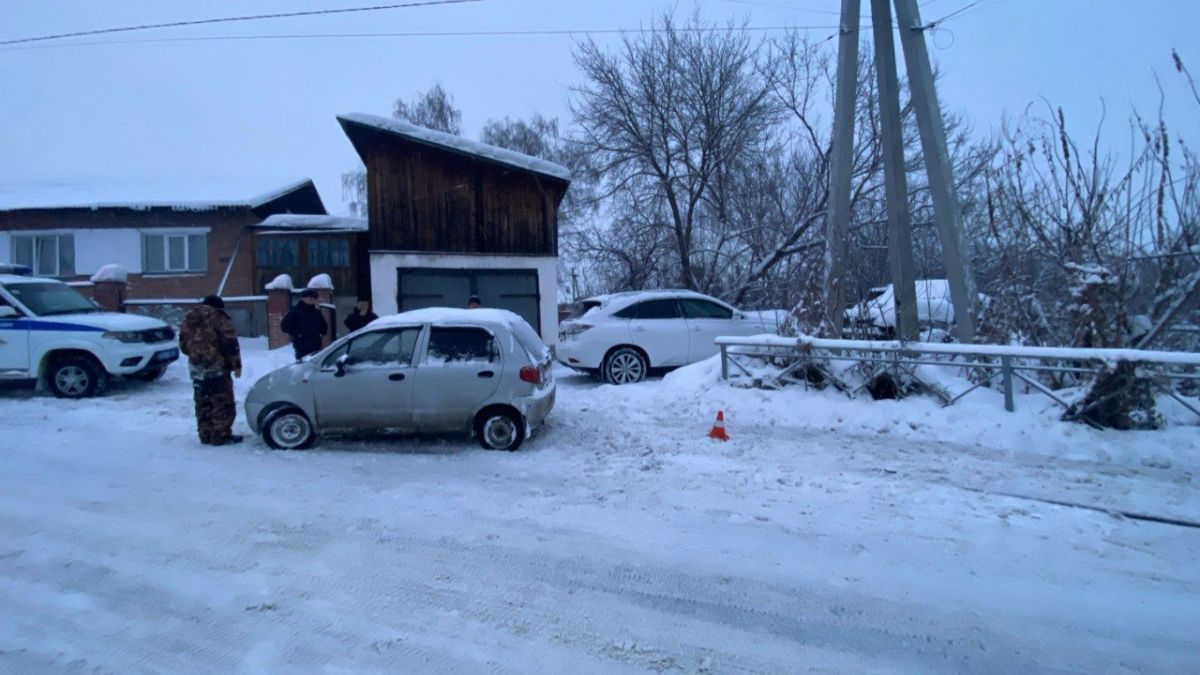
(51, 297)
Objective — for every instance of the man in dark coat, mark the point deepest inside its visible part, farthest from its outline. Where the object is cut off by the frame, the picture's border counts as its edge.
(305, 324)
(209, 340)
(361, 316)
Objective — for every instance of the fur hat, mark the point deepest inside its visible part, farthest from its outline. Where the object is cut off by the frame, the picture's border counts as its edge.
(214, 301)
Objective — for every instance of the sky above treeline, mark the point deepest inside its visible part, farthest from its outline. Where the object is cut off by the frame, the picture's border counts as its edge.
(131, 107)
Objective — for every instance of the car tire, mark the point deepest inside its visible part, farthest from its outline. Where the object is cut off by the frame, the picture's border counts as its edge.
(76, 376)
(500, 429)
(288, 428)
(625, 366)
(147, 375)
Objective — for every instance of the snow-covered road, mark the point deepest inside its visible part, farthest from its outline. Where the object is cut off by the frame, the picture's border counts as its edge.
(826, 536)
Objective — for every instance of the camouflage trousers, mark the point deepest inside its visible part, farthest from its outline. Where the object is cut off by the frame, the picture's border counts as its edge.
(215, 409)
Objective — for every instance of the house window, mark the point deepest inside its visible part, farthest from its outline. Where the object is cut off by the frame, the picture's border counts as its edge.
(326, 253)
(174, 253)
(278, 253)
(47, 255)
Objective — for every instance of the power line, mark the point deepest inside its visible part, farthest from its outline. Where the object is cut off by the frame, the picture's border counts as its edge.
(232, 19)
(473, 33)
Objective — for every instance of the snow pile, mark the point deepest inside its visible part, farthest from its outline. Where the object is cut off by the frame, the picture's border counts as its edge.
(283, 282)
(459, 144)
(321, 282)
(110, 272)
(978, 419)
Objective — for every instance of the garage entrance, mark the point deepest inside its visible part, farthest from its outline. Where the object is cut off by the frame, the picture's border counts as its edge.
(514, 290)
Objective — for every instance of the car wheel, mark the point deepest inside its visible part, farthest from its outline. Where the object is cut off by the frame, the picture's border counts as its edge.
(288, 428)
(147, 375)
(500, 429)
(77, 377)
(625, 366)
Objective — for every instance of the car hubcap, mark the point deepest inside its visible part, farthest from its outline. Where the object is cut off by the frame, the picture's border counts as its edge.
(500, 432)
(72, 380)
(290, 430)
(626, 368)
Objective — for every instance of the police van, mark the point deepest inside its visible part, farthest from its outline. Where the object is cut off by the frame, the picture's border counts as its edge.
(51, 333)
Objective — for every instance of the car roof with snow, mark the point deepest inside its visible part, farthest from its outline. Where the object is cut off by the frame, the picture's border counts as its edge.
(627, 298)
(488, 317)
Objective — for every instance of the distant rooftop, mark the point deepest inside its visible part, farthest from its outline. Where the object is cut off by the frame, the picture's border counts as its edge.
(458, 144)
(178, 194)
(300, 222)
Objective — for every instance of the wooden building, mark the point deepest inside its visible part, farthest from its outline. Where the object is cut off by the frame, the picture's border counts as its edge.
(450, 218)
(303, 246)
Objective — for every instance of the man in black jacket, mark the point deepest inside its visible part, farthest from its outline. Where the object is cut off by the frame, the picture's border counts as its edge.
(305, 325)
(361, 316)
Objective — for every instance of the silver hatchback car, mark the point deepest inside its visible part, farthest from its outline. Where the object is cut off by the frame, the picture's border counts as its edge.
(483, 371)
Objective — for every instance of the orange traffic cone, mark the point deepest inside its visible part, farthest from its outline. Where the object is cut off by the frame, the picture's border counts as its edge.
(718, 430)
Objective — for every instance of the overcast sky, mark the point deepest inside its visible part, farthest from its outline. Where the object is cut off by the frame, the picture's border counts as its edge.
(194, 111)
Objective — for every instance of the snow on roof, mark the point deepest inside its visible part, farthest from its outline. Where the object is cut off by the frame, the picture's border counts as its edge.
(459, 144)
(294, 221)
(178, 194)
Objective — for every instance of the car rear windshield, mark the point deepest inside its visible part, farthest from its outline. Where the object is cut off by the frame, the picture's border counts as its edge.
(582, 307)
(51, 297)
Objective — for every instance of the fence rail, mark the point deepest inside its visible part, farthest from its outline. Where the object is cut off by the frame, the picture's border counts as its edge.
(988, 362)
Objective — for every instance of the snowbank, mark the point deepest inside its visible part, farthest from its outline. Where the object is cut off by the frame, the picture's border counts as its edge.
(321, 281)
(281, 282)
(110, 272)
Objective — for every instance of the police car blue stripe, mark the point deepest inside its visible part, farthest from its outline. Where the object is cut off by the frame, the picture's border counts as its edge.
(35, 324)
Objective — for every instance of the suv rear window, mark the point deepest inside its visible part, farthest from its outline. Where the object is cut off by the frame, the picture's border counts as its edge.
(582, 307)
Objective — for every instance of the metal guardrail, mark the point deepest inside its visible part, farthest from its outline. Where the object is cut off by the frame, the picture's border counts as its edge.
(987, 362)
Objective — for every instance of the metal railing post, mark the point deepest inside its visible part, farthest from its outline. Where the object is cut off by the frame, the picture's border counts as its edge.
(724, 362)
(1006, 376)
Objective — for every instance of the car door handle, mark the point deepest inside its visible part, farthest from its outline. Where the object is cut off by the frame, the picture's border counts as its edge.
(486, 374)
(396, 377)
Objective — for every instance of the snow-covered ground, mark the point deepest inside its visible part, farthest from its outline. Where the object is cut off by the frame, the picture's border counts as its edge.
(827, 535)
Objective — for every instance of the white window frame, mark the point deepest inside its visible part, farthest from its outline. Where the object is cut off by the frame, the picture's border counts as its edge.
(167, 235)
(55, 235)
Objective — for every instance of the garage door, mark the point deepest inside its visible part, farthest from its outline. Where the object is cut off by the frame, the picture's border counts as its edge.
(514, 290)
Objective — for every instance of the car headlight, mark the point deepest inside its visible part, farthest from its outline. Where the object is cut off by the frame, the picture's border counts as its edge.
(123, 335)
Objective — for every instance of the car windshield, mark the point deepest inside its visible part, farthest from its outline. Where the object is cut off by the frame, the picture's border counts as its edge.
(51, 297)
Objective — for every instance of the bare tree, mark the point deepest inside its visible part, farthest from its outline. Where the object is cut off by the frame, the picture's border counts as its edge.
(662, 119)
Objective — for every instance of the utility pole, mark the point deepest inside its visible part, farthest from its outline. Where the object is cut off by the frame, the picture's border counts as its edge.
(938, 169)
(840, 165)
(904, 294)
(933, 142)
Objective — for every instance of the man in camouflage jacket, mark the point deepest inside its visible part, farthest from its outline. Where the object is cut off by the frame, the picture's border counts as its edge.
(210, 342)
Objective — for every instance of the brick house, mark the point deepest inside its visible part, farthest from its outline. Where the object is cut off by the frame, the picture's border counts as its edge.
(173, 243)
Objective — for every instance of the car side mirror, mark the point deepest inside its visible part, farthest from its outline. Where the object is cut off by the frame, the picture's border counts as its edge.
(340, 364)
(7, 312)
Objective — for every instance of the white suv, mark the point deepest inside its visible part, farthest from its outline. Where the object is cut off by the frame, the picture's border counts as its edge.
(623, 336)
(49, 331)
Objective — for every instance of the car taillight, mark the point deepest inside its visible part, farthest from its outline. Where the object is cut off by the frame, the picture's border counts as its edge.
(531, 374)
(577, 328)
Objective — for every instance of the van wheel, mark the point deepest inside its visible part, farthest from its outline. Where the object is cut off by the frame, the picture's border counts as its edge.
(625, 366)
(77, 377)
(500, 429)
(288, 428)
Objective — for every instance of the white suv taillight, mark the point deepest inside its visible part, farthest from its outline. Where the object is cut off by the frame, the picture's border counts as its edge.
(531, 374)
(576, 328)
